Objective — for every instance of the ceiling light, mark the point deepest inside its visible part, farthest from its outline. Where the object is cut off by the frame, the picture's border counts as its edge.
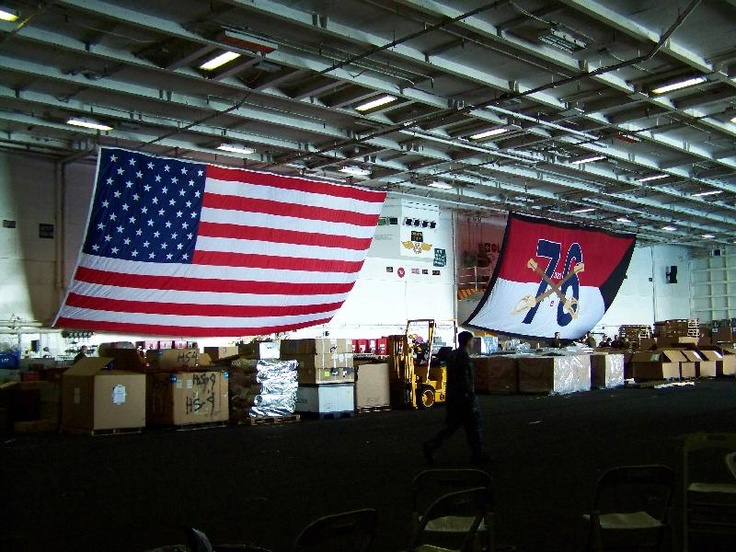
(488, 133)
(247, 41)
(654, 177)
(623, 219)
(219, 61)
(678, 85)
(707, 236)
(708, 193)
(355, 171)
(88, 123)
(440, 185)
(669, 228)
(234, 148)
(377, 102)
(733, 120)
(7, 14)
(584, 210)
(563, 38)
(590, 159)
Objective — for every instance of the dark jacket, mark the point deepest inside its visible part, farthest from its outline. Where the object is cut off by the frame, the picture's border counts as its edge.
(460, 377)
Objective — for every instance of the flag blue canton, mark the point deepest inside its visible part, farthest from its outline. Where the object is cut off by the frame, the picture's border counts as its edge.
(145, 208)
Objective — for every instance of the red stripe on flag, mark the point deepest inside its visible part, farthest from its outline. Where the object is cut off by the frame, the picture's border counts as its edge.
(216, 258)
(164, 330)
(186, 309)
(285, 209)
(275, 235)
(250, 178)
(94, 276)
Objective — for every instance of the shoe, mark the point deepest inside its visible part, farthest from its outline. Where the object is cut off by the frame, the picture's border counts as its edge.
(428, 453)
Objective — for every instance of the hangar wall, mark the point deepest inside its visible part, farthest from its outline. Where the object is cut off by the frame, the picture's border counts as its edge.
(44, 211)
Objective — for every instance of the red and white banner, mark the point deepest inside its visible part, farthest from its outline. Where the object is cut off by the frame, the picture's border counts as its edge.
(552, 277)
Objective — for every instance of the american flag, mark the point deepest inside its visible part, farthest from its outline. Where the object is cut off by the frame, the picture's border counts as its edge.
(181, 248)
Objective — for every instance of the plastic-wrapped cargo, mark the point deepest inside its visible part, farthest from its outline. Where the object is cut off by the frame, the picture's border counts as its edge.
(262, 388)
(559, 374)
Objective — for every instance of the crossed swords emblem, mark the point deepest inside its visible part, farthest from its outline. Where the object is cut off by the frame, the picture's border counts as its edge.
(569, 304)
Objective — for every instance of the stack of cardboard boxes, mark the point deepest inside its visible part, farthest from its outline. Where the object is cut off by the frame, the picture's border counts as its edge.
(326, 374)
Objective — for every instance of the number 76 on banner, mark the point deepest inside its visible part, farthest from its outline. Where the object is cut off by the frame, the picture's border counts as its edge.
(568, 307)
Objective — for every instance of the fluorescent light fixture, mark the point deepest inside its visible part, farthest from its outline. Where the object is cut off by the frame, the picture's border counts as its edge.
(669, 228)
(650, 178)
(440, 185)
(88, 123)
(489, 133)
(623, 219)
(590, 159)
(563, 38)
(7, 14)
(584, 210)
(219, 61)
(355, 171)
(708, 193)
(678, 85)
(377, 102)
(707, 236)
(234, 148)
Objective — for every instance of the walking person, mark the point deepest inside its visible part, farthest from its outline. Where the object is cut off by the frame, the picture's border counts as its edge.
(463, 409)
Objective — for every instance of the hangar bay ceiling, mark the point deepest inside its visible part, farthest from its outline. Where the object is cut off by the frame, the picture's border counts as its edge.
(618, 114)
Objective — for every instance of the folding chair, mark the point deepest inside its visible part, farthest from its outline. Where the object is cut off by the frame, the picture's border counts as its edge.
(731, 463)
(352, 531)
(709, 492)
(197, 541)
(431, 484)
(470, 504)
(632, 508)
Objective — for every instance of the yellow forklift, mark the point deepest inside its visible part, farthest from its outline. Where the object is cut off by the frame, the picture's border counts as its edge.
(418, 379)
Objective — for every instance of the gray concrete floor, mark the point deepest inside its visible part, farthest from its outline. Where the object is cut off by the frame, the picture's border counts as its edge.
(262, 484)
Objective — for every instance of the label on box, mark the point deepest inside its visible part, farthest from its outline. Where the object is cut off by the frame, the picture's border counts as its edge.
(77, 395)
(118, 394)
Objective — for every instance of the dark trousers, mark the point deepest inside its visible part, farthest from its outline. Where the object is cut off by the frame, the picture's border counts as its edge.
(465, 414)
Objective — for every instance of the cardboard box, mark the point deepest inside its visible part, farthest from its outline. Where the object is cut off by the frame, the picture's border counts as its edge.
(724, 357)
(324, 399)
(496, 374)
(220, 353)
(96, 397)
(261, 350)
(606, 370)
(324, 368)
(703, 368)
(658, 364)
(172, 359)
(667, 342)
(323, 345)
(128, 359)
(554, 374)
(103, 349)
(184, 398)
(372, 386)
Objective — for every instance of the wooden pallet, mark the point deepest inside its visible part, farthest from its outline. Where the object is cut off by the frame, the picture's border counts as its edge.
(329, 415)
(270, 420)
(36, 426)
(196, 427)
(100, 432)
(381, 408)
